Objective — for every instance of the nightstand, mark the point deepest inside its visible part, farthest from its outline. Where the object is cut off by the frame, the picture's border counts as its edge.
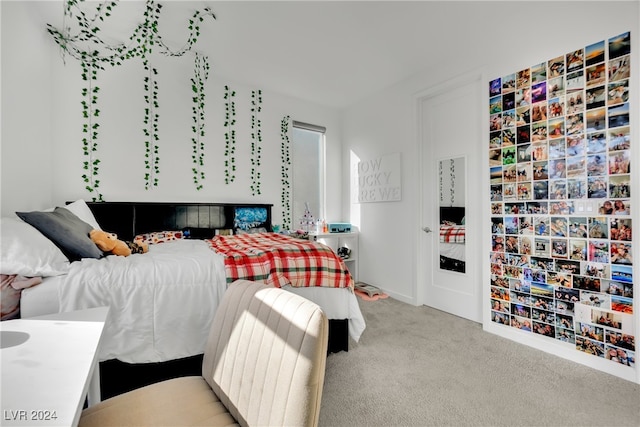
(338, 240)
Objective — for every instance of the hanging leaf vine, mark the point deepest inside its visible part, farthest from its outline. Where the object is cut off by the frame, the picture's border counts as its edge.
(150, 129)
(91, 62)
(200, 76)
(90, 127)
(452, 178)
(146, 36)
(229, 135)
(285, 169)
(86, 46)
(256, 141)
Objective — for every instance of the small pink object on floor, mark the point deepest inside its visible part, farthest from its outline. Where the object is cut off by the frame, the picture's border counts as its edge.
(366, 296)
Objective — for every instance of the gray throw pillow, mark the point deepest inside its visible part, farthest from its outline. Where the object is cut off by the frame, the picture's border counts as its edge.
(66, 231)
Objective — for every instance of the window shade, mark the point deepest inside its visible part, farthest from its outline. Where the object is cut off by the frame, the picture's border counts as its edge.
(307, 126)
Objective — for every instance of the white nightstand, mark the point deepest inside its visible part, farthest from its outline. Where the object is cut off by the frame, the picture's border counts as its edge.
(337, 240)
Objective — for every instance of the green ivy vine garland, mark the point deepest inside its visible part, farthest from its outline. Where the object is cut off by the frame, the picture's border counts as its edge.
(90, 129)
(256, 141)
(285, 168)
(200, 76)
(229, 135)
(91, 62)
(150, 129)
(94, 53)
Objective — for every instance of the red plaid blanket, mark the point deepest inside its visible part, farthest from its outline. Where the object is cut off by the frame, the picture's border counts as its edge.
(280, 260)
(452, 233)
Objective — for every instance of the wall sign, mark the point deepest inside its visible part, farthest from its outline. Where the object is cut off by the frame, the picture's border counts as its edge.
(379, 180)
(559, 163)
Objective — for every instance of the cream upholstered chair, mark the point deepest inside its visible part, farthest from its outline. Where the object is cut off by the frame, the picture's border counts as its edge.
(264, 365)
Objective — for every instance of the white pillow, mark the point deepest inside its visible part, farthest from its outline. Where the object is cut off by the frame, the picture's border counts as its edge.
(82, 211)
(27, 252)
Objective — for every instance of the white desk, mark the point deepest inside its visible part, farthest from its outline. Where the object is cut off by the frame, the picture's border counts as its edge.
(46, 375)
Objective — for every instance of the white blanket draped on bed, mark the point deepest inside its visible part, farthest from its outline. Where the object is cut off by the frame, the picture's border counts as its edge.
(173, 289)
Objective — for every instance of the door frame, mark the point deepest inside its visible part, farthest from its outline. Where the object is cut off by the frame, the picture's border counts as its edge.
(418, 99)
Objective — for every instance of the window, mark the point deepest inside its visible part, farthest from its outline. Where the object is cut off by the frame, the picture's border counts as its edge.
(308, 172)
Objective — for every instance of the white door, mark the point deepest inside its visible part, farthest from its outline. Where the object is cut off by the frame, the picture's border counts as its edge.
(451, 137)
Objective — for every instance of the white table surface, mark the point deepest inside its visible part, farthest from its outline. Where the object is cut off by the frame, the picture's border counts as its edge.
(46, 378)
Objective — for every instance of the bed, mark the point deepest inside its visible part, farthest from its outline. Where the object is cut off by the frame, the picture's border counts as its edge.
(452, 239)
(162, 301)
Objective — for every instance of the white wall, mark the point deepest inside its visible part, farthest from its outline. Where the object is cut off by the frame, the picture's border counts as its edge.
(522, 34)
(385, 122)
(26, 108)
(57, 155)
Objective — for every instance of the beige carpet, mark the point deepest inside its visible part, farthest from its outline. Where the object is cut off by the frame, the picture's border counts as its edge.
(416, 366)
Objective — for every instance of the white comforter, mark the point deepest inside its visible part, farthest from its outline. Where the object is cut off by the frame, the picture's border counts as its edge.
(453, 250)
(161, 303)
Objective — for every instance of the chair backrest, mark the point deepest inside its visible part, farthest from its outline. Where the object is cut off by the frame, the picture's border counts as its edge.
(266, 355)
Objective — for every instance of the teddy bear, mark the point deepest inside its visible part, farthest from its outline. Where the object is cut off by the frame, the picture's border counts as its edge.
(109, 243)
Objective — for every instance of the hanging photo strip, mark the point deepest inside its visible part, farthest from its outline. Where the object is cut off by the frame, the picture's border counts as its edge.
(560, 187)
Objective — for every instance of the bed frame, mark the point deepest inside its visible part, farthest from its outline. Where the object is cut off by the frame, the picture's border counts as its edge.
(452, 213)
(201, 220)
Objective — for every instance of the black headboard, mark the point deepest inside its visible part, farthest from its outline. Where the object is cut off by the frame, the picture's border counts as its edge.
(128, 219)
(452, 213)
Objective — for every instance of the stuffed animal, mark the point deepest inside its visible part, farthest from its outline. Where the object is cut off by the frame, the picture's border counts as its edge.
(138, 247)
(109, 243)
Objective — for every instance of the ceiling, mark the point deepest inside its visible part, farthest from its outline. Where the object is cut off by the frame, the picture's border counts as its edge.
(332, 53)
(329, 52)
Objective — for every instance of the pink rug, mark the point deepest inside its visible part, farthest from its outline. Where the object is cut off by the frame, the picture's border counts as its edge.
(366, 296)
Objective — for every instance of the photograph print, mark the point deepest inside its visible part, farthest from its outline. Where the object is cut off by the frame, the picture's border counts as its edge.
(620, 45)
(594, 53)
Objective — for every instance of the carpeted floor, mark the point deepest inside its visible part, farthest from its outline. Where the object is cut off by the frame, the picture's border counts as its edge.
(416, 366)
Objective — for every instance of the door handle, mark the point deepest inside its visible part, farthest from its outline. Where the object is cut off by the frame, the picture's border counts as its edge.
(427, 230)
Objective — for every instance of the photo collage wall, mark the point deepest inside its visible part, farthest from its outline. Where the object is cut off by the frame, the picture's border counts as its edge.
(560, 176)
